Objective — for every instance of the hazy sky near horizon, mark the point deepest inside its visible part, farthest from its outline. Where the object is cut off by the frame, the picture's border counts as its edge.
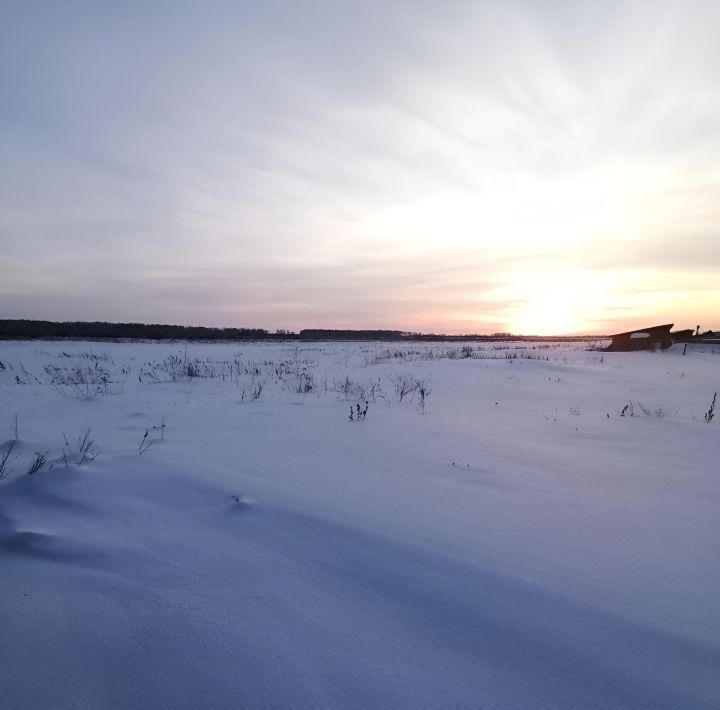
(533, 166)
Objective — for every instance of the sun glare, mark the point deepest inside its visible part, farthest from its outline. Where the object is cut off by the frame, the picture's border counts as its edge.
(557, 302)
(547, 315)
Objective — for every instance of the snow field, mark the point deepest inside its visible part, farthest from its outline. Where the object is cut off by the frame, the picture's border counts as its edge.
(239, 542)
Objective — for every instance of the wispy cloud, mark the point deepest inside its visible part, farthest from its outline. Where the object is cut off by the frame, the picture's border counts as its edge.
(399, 165)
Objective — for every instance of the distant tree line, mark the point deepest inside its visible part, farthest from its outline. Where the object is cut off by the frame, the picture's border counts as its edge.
(329, 334)
(32, 329)
(81, 330)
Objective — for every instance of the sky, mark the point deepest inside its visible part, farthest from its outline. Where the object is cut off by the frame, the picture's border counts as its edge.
(530, 166)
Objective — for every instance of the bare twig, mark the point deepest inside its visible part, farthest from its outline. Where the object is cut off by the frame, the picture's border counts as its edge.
(4, 466)
(38, 463)
(711, 412)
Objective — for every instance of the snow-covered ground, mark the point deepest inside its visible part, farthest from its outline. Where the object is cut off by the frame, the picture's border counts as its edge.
(231, 539)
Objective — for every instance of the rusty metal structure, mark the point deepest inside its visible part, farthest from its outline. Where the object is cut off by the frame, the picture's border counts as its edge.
(657, 337)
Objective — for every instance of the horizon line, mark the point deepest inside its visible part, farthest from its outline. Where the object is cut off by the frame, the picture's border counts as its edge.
(262, 332)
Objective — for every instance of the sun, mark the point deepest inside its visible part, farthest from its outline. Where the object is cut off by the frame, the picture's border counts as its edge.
(556, 302)
(548, 315)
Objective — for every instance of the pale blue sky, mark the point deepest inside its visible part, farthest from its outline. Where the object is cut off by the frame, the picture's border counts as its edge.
(531, 166)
